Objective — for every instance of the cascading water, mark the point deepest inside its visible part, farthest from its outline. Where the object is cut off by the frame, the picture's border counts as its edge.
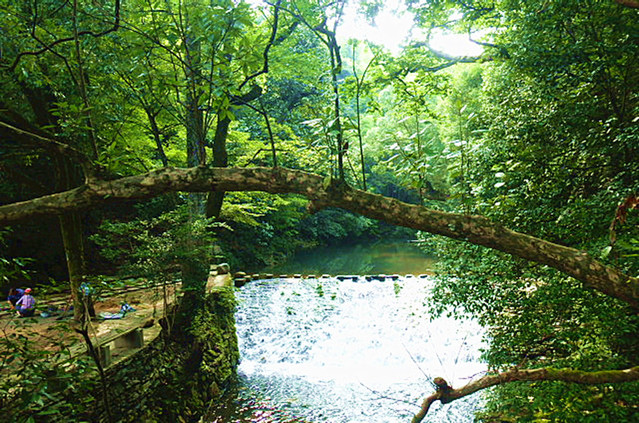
(323, 350)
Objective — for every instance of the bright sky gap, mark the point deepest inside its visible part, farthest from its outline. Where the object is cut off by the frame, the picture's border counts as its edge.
(394, 29)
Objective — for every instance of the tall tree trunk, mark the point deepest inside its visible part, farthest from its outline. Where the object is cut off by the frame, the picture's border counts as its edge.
(220, 159)
(195, 133)
(195, 136)
(67, 176)
(336, 66)
(72, 238)
(71, 229)
(193, 278)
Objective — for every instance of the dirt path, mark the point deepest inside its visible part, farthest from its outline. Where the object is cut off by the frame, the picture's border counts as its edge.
(56, 333)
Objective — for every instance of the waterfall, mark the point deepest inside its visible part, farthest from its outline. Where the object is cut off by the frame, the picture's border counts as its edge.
(323, 350)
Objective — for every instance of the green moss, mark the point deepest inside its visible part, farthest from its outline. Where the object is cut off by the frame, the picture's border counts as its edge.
(213, 329)
(175, 378)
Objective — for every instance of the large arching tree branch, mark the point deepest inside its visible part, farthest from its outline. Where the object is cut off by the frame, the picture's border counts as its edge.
(322, 193)
(446, 393)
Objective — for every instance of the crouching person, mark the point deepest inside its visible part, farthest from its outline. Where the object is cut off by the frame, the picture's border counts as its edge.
(25, 306)
(14, 295)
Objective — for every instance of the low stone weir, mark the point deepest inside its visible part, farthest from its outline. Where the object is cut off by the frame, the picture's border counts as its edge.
(241, 278)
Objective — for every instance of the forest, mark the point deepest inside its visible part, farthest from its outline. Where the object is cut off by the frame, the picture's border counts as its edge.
(145, 137)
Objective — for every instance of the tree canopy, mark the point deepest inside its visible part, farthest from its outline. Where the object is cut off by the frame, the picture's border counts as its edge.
(528, 149)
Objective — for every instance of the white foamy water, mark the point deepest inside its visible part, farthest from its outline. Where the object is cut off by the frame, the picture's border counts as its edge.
(331, 351)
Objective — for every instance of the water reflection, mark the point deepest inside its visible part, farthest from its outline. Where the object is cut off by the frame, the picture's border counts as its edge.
(321, 350)
(399, 257)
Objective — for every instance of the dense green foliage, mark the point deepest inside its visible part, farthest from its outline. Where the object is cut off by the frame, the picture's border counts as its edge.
(550, 142)
(540, 133)
(42, 379)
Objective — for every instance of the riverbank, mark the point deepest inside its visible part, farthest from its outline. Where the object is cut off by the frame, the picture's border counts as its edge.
(53, 330)
(173, 377)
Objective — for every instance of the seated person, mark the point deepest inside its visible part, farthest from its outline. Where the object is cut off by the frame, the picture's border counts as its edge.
(14, 295)
(25, 306)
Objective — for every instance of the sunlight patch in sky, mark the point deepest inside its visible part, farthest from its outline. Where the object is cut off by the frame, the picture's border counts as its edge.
(394, 29)
(455, 44)
(391, 30)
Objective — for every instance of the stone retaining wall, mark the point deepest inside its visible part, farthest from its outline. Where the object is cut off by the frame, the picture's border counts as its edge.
(170, 380)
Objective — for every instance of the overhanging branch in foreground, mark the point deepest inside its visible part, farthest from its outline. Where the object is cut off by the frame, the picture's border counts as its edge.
(446, 393)
(324, 193)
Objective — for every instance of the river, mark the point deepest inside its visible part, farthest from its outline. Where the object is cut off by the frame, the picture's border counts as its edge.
(324, 350)
(399, 257)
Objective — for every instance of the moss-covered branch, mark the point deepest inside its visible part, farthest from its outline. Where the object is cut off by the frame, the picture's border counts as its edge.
(475, 229)
(446, 393)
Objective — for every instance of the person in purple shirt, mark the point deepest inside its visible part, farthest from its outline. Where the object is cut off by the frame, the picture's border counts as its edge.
(14, 295)
(25, 306)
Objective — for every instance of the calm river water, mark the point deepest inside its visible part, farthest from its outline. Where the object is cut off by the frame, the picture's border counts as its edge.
(399, 257)
(323, 350)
